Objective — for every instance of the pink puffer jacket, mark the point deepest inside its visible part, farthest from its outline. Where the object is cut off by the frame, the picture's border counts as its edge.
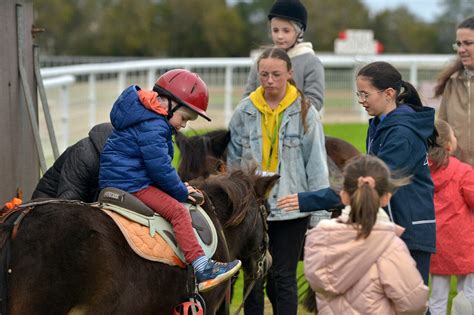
(367, 276)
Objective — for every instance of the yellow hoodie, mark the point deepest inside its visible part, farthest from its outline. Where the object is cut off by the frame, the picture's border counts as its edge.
(271, 122)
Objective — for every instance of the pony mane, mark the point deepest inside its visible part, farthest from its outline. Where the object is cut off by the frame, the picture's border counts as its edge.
(201, 155)
(238, 186)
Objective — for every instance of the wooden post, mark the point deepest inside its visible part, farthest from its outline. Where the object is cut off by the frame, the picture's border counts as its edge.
(19, 163)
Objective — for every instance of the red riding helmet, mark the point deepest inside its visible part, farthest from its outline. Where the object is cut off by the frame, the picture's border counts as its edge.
(188, 308)
(186, 88)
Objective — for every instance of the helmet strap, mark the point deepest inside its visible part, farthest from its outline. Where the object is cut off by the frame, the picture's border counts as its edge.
(171, 110)
(164, 93)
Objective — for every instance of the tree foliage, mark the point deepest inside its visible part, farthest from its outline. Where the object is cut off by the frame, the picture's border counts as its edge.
(213, 28)
(401, 32)
(327, 18)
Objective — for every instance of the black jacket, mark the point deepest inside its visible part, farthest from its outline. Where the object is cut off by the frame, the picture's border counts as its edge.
(74, 175)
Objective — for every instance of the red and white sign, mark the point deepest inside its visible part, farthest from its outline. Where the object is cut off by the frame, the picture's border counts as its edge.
(357, 41)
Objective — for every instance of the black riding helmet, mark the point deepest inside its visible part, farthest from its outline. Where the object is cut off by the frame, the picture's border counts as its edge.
(292, 10)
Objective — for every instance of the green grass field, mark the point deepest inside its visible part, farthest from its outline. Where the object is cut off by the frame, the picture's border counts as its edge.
(354, 133)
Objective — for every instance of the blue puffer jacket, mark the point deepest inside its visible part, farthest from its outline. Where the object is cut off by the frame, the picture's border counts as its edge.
(140, 150)
(400, 140)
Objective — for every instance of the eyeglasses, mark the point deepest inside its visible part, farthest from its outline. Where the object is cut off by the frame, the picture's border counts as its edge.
(363, 96)
(266, 75)
(464, 44)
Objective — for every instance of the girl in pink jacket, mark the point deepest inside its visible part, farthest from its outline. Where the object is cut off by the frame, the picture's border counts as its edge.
(454, 210)
(357, 264)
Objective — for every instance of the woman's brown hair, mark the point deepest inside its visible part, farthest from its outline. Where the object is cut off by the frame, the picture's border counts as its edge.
(456, 66)
(438, 155)
(278, 53)
(365, 199)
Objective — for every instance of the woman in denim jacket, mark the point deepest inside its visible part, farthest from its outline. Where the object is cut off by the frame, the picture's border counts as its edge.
(275, 128)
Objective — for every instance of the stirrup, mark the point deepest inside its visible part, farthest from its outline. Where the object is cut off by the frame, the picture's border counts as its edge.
(195, 305)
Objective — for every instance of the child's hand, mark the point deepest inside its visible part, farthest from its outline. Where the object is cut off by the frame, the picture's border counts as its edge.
(288, 203)
(194, 195)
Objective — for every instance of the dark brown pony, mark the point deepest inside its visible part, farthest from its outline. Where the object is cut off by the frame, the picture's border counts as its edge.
(202, 155)
(208, 152)
(70, 258)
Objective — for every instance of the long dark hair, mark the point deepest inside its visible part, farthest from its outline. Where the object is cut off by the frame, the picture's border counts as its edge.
(383, 75)
(364, 199)
(455, 66)
(278, 53)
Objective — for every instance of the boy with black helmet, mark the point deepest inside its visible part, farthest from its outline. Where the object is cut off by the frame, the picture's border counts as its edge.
(288, 21)
(137, 158)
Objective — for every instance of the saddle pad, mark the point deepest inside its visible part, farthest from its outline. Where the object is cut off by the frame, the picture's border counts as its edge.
(153, 238)
(153, 248)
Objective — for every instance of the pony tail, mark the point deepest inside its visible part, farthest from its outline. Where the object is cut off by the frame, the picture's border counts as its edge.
(304, 105)
(409, 95)
(365, 203)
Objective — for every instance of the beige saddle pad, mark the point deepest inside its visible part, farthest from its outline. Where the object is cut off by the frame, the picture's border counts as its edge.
(150, 235)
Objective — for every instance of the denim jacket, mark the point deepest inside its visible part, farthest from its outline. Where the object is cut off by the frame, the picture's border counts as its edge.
(302, 162)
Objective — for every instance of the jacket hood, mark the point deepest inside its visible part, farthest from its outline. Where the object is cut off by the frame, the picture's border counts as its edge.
(99, 134)
(128, 110)
(419, 119)
(444, 175)
(343, 260)
(301, 49)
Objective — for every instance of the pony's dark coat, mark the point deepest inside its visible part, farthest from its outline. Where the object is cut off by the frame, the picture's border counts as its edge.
(73, 258)
(208, 152)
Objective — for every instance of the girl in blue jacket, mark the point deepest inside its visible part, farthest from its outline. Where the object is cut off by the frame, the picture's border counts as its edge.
(137, 158)
(400, 134)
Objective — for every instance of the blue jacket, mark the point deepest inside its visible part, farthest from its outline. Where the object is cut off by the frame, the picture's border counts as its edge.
(139, 151)
(400, 140)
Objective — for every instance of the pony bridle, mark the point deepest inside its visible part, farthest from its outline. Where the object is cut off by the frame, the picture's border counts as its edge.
(262, 264)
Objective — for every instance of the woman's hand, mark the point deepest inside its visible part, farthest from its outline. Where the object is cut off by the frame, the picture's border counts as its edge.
(288, 203)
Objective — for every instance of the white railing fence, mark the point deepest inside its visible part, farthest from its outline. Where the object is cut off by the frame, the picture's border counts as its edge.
(81, 96)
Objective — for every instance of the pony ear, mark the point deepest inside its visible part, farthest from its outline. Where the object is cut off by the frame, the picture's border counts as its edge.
(263, 185)
(220, 166)
(219, 143)
(181, 140)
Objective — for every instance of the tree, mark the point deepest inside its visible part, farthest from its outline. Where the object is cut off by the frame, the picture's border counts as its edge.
(454, 12)
(203, 28)
(326, 18)
(402, 32)
(254, 15)
(64, 14)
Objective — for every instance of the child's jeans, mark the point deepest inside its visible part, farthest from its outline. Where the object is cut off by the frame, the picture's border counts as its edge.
(440, 285)
(173, 211)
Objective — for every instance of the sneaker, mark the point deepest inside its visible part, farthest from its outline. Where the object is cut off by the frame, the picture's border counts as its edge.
(215, 273)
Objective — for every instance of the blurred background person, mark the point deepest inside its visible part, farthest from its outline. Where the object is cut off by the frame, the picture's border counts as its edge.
(288, 20)
(454, 211)
(456, 86)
